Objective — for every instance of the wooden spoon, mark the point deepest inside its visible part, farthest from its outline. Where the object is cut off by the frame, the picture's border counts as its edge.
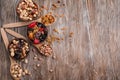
(13, 62)
(20, 24)
(15, 34)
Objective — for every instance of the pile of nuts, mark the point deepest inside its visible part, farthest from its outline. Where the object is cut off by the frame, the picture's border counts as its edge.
(45, 49)
(47, 19)
(18, 48)
(16, 71)
(37, 32)
(27, 10)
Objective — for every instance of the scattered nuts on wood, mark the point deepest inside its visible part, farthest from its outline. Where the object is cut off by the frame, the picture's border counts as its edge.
(26, 71)
(64, 28)
(58, 1)
(26, 61)
(51, 70)
(35, 58)
(54, 57)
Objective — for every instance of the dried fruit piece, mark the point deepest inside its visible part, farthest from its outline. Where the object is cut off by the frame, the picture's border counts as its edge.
(26, 61)
(32, 25)
(36, 41)
(38, 33)
(31, 36)
(55, 30)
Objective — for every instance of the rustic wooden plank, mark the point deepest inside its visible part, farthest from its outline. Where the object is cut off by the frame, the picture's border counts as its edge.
(104, 30)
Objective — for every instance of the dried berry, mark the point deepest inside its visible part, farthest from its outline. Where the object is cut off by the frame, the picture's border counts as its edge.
(32, 25)
(38, 33)
(41, 29)
(36, 41)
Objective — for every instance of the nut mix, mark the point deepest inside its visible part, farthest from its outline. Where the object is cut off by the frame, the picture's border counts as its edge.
(45, 49)
(16, 71)
(37, 32)
(27, 10)
(18, 48)
(47, 19)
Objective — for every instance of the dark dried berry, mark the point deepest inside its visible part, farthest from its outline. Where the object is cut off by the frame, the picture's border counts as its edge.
(18, 54)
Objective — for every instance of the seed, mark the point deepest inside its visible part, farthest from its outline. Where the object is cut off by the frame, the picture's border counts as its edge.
(58, 1)
(14, 76)
(38, 65)
(35, 58)
(51, 70)
(70, 34)
(19, 75)
(23, 73)
(26, 61)
(26, 71)
(12, 54)
(54, 57)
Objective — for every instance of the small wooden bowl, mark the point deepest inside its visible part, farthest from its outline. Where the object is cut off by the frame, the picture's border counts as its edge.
(41, 37)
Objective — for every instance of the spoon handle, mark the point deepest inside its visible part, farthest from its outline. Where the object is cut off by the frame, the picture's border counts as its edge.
(5, 38)
(19, 24)
(6, 42)
(15, 34)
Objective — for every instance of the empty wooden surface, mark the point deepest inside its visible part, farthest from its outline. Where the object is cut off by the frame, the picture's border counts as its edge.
(93, 53)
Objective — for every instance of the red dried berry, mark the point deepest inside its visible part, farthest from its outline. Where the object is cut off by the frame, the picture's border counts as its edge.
(41, 29)
(36, 41)
(32, 25)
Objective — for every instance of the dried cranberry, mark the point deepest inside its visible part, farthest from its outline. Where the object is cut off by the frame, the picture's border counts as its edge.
(39, 24)
(36, 41)
(41, 29)
(32, 25)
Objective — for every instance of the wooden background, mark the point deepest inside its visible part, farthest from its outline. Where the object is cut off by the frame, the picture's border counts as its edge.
(93, 53)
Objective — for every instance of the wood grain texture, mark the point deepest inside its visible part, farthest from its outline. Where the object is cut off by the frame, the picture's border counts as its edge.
(93, 53)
